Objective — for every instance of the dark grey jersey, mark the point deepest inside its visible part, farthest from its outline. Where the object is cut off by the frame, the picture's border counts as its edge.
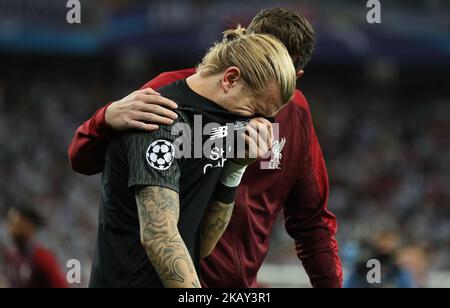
(138, 158)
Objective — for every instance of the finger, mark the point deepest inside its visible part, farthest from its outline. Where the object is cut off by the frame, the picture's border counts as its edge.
(152, 118)
(260, 120)
(271, 135)
(258, 146)
(252, 147)
(143, 126)
(267, 123)
(148, 91)
(259, 134)
(158, 110)
(262, 136)
(157, 100)
(269, 129)
(254, 151)
(263, 151)
(252, 132)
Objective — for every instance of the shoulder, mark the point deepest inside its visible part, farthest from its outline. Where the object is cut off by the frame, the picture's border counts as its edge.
(300, 100)
(297, 117)
(298, 110)
(167, 78)
(165, 132)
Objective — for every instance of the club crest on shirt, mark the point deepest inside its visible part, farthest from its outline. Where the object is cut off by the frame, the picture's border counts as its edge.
(275, 162)
(160, 155)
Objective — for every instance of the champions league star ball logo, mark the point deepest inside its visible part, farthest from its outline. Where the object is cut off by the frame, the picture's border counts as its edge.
(160, 155)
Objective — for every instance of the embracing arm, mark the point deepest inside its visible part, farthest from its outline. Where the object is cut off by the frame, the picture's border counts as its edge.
(158, 216)
(88, 146)
(143, 109)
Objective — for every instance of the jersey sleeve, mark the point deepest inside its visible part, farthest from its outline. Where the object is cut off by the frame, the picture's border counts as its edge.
(152, 159)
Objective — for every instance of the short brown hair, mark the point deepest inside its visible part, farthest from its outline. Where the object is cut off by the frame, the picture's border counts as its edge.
(292, 29)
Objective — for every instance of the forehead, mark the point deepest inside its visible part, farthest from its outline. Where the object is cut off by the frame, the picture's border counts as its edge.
(272, 94)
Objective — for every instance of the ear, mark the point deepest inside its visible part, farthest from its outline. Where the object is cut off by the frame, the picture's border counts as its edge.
(230, 77)
(300, 74)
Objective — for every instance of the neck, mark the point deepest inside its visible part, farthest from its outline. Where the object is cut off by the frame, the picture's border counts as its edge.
(210, 88)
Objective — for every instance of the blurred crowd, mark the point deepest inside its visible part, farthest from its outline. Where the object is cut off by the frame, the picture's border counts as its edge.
(388, 160)
(35, 130)
(389, 167)
(388, 163)
(409, 30)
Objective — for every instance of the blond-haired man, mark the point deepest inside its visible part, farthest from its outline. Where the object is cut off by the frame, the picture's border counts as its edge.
(161, 213)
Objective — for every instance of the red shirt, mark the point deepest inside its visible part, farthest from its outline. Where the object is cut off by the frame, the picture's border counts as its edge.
(298, 186)
(36, 267)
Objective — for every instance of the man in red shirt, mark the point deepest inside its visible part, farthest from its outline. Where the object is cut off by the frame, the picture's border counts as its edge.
(28, 264)
(294, 179)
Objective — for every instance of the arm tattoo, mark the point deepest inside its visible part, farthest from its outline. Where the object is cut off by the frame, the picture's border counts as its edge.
(158, 210)
(215, 223)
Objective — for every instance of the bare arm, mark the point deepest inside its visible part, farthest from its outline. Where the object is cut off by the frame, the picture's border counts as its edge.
(158, 216)
(215, 223)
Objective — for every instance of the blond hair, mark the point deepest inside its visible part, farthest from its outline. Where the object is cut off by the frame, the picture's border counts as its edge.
(261, 58)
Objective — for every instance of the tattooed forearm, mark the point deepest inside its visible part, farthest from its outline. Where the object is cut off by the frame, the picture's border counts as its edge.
(158, 210)
(196, 285)
(215, 223)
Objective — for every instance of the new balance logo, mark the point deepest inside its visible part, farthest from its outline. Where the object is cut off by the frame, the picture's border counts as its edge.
(219, 132)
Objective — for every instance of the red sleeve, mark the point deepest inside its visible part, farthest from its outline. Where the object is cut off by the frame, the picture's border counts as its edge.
(87, 149)
(88, 146)
(307, 218)
(49, 269)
